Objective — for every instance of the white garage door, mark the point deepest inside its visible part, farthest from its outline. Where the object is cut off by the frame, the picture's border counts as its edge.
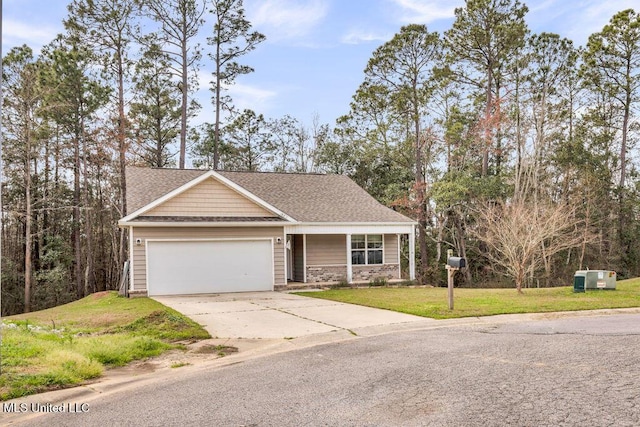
(196, 267)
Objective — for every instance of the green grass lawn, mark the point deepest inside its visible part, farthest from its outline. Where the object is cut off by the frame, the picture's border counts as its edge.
(432, 302)
(69, 344)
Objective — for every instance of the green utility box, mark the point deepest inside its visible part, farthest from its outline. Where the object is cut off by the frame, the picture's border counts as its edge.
(594, 279)
(578, 282)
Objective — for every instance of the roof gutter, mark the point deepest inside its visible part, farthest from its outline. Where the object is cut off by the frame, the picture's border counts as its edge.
(218, 224)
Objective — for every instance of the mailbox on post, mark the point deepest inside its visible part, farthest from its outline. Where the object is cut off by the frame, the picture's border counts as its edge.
(456, 262)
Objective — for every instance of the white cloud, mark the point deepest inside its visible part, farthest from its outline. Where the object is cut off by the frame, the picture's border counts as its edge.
(575, 23)
(236, 90)
(548, 6)
(244, 97)
(424, 12)
(204, 80)
(254, 98)
(595, 16)
(357, 36)
(286, 19)
(16, 33)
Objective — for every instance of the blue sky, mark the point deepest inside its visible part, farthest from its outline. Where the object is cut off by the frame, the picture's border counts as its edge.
(316, 50)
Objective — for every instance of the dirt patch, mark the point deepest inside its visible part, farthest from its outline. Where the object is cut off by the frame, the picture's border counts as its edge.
(99, 295)
(133, 369)
(146, 367)
(220, 350)
(192, 353)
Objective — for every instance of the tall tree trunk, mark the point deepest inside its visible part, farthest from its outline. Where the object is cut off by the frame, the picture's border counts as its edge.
(216, 136)
(487, 120)
(28, 269)
(622, 220)
(101, 284)
(122, 147)
(519, 143)
(46, 193)
(185, 100)
(90, 279)
(498, 127)
(76, 220)
(587, 225)
(422, 205)
(625, 132)
(442, 224)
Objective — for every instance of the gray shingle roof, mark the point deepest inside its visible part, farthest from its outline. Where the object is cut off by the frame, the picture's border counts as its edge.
(305, 197)
(144, 185)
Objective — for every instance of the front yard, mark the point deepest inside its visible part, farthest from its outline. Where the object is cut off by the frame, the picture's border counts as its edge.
(73, 343)
(432, 302)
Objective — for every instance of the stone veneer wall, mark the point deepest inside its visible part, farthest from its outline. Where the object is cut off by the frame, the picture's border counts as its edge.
(337, 273)
(330, 273)
(370, 272)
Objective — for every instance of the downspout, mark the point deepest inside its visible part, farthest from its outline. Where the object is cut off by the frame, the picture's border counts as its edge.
(131, 243)
(349, 266)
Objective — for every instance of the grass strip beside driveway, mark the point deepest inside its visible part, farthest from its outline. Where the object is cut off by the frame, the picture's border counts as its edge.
(67, 345)
(433, 303)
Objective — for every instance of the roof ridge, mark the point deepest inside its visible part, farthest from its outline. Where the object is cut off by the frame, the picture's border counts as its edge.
(279, 173)
(235, 171)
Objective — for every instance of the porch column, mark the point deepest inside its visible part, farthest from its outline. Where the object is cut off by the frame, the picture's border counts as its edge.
(412, 254)
(398, 236)
(349, 267)
(285, 249)
(304, 258)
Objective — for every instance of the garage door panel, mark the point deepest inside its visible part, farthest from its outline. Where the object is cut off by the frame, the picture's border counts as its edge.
(192, 267)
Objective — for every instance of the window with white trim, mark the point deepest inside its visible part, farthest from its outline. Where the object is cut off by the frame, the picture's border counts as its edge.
(366, 249)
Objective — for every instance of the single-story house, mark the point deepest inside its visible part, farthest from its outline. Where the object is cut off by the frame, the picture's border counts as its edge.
(204, 231)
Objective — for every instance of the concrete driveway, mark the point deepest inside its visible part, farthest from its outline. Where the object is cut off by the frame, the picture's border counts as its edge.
(279, 315)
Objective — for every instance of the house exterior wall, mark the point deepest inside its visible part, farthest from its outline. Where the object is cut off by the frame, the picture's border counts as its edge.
(209, 198)
(391, 249)
(326, 249)
(327, 260)
(138, 256)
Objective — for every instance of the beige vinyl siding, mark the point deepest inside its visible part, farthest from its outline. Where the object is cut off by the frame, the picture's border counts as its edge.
(209, 198)
(326, 249)
(186, 233)
(331, 249)
(390, 249)
(298, 258)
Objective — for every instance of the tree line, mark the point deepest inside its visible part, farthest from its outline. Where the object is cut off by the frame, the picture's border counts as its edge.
(514, 149)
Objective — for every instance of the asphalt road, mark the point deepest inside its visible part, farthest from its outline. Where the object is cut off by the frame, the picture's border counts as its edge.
(572, 372)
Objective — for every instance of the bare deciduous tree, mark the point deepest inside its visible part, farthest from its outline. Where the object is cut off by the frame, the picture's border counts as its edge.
(520, 236)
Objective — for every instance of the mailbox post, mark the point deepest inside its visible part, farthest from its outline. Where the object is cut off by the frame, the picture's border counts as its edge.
(453, 264)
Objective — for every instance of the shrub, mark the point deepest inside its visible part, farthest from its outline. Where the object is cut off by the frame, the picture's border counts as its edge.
(378, 281)
(341, 284)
